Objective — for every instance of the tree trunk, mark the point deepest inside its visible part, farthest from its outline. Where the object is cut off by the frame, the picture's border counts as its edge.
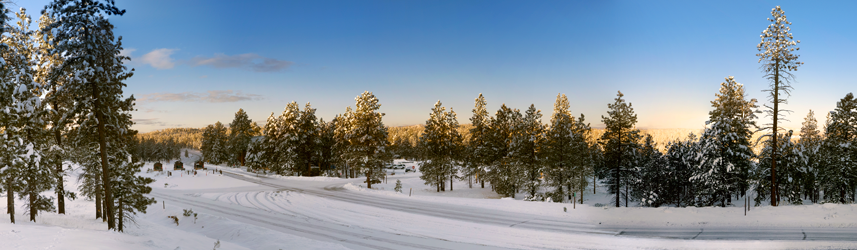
(98, 202)
(10, 199)
(774, 192)
(33, 196)
(120, 215)
(450, 183)
(60, 189)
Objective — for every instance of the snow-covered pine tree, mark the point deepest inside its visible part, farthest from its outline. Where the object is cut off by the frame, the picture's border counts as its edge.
(682, 160)
(367, 138)
(86, 40)
(652, 176)
(342, 147)
(529, 138)
(478, 150)
(215, 143)
(130, 189)
(503, 173)
(288, 142)
(726, 154)
(8, 149)
(240, 133)
(778, 60)
(456, 143)
(59, 105)
(440, 145)
(307, 141)
(327, 146)
(433, 148)
(567, 152)
(809, 145)
(839, 153)
(619, 142)
(25, 127)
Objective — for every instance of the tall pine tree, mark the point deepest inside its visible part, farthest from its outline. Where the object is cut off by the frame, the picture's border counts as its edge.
(776, 53)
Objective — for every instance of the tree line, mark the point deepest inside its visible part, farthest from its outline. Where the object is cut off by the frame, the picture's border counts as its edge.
(62, 102)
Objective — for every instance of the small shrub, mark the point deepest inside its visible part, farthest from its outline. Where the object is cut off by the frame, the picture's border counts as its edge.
(175, 219)
(398, 187)
(187, 212)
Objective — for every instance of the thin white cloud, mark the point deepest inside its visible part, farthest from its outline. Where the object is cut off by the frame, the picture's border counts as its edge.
(159, 58)
(247, 61)
(215, 96)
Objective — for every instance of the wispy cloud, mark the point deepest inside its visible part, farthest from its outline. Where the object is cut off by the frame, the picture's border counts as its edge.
(159, 58)
(208, 96)
(152, 121)
(248, 61)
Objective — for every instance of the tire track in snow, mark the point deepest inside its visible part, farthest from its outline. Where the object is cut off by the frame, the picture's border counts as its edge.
(325, 233)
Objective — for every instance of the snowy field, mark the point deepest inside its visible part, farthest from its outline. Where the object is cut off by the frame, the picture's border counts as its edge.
(244, 210)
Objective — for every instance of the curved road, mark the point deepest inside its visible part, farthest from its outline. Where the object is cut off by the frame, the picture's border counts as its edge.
(364, 238)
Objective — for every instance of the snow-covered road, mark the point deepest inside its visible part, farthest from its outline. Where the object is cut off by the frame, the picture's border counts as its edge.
(325, 210)
(351, 236)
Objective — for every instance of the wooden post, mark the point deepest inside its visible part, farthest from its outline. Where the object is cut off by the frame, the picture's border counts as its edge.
(410, 192)
(163, 204)
(574, 203)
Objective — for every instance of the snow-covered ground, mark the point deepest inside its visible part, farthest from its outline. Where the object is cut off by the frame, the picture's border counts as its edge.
(245, 210)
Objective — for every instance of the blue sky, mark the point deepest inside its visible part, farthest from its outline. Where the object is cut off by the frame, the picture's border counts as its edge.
(198, 62)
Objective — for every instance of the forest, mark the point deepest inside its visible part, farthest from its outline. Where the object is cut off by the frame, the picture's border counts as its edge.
(62, 105)
(732, 158)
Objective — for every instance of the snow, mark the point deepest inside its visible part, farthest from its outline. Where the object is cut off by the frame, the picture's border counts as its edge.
(334, 213)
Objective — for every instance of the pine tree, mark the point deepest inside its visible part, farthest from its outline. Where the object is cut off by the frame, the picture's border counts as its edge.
(529, 138)
(567, 152)
(682, 160)
(307, 140)
(60, 106)
(839, 149)
(478, 150)
(726, 154)
(651, 179)
(440, 144)
(25, 127)
(503, 172)
(776, 53)
(86, 39)
(809, 146)
(620, 142)
(240, 133)
(367, 138)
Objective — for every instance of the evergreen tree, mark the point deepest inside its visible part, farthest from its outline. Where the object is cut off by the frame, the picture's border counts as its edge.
(307, 141)
(215, 144)
(504, 173)
(478, 150)
(839, 150)
(86, 40)
(620, 142)
(651, 175)
(25, 127)
(529, 138)
(240, 132)
(725, 145)
(681, 162)
(439, 146)
(776, 53)
(567, 152)
(60, 106)
(809, 145)
(366, 136)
